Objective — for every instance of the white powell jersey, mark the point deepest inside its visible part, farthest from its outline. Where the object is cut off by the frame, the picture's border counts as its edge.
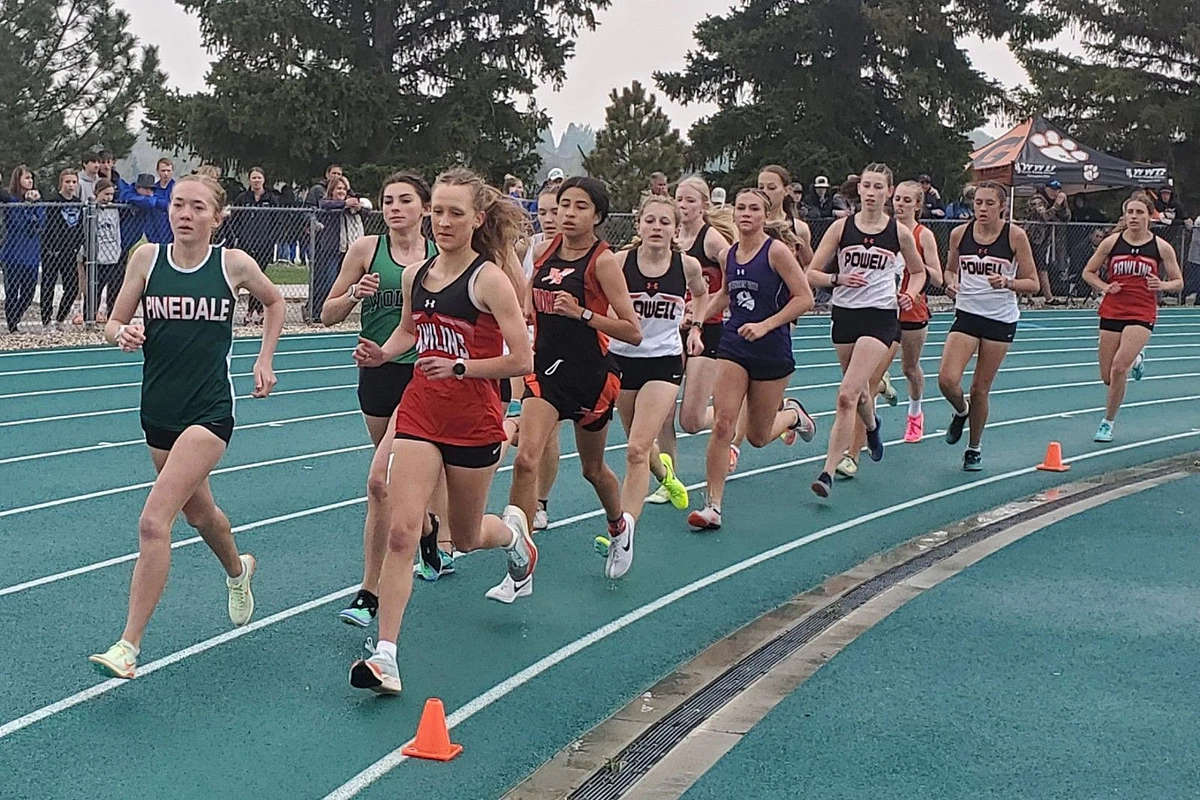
(876, 256)
(975, 263)
(659, 304)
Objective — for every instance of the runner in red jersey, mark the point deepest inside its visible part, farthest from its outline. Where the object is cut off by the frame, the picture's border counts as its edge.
(1132, 259)
(460, 310)
(576, 280)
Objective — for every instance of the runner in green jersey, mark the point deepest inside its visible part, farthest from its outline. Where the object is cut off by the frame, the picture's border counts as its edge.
(371, 274)
(188, 291)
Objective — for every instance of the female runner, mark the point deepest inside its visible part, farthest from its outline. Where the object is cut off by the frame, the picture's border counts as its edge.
(371, 274)
(576, 280)
(703, 241)
(871, 250)
(188, 291)
(462, 310)
(765, 290)
(658, 279)
(1129, 307)
(777, 182)
(989, 262)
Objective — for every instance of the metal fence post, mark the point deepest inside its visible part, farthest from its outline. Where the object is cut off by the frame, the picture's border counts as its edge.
(311, 260)
(90, 250)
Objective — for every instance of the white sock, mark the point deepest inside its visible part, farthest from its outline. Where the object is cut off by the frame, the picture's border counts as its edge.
(386, 649)
(966, 412)
(1109, 421)
(914, 406)
(130, 646)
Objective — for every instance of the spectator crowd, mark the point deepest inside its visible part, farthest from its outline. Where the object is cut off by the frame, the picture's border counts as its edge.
(96, 216)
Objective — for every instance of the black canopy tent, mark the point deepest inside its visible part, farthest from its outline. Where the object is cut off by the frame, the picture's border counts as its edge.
(1035, 152)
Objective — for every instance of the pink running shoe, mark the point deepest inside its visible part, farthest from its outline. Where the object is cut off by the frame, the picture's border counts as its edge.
(915, 428)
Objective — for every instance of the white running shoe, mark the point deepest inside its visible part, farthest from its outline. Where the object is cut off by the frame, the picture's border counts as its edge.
(522, 553)
(660, 496)
(379, 673)
(706, 519)
(1139, 367)
(509, 590)
(541, 520)
(241, 598)
(620, 550)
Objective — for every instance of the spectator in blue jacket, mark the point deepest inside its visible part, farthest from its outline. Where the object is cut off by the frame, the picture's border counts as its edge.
(963, 208)
(157, 226)
(21, 253)
(137, 219)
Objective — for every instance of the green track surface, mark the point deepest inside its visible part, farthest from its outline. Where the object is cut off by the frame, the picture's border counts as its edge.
(269, 714)
(1062, 666)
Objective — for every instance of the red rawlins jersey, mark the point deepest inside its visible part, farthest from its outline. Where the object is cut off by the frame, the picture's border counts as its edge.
(1130, 265)
(449, 323)
(920, 310)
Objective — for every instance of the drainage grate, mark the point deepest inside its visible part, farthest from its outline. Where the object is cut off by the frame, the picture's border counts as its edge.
(656, 741)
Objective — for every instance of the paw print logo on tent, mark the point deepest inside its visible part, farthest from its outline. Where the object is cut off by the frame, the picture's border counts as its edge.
(1053, 145)
(1090, 172)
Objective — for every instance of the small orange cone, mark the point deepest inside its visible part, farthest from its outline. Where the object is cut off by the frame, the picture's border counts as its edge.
(433, 737)
(1054, 459)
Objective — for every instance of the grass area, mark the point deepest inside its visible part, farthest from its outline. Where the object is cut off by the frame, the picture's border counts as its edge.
(285, 274)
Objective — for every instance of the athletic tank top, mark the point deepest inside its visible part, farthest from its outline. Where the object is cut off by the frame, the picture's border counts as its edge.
(755, 292)
(975, 262)
(189, 338)
(450, 324)
(877, 257)
(381, 312)
(565, 339)
(1130, 265)
(711, 269)
(659, 304)
(920, 310)
(527, 262)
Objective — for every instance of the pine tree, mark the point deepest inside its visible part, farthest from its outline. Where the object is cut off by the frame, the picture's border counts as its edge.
(71, 75)
(827, 86)
(636, 141)
(300, 83)
(1135, 91)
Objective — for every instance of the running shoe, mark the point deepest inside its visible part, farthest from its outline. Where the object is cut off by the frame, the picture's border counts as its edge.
(514, 408)
(734, 452)
(972, 460)
(1104, 433)
(706, 519)
(954, 430)
(914, 429)
(889, 391)
(805, 427)
(1139, 364)
(875, 441)
(541, 519)
(118, 661)
(522, 553)
(241, 598)
(619, 558)
(379, 673)
(847, 467)
(509, 590)
(676, 491)
(660, 496)
(427, 571)
(361, 613)
(823, 485)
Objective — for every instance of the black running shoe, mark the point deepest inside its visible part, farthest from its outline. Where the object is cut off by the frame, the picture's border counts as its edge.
(972, 461)
(954, 430)
(875, 441)
(823, 485)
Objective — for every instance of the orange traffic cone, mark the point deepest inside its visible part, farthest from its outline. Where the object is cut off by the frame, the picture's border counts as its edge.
(1054, 459)
(433, 737)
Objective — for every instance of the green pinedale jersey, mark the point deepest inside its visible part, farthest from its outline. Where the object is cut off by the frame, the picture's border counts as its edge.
(381, 312)
(189, 339)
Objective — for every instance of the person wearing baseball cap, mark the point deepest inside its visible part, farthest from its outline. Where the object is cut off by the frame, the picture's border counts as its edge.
(821, 200)
(556, 175)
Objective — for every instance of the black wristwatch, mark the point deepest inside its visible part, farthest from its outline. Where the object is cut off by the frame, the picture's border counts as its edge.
(460, 368)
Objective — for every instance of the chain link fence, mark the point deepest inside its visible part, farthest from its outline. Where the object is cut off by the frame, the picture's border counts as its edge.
(63, 263)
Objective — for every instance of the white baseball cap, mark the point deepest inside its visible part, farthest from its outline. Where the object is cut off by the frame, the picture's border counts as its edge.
(556, 174)
(821, 182)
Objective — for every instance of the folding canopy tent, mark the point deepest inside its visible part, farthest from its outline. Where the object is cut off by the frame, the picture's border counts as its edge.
(1035, 152)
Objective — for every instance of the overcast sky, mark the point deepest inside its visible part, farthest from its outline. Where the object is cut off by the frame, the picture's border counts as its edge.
(634, 38)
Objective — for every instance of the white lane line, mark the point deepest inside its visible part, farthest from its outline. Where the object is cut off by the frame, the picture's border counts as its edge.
(1022, 340)
(111, 411)
(1034, 352)
(506, 687)
(109, 445)
(54, 351)
(139, 362)
(524, 676)
(112, 562)
(147, 484)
